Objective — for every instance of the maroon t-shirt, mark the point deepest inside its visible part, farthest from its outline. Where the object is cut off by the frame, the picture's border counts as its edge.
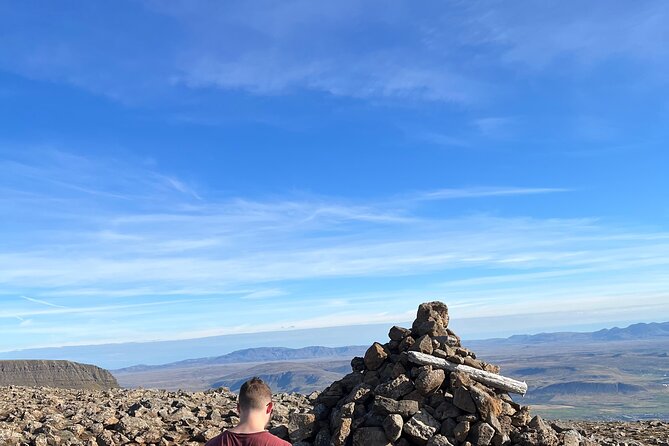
(263, 438)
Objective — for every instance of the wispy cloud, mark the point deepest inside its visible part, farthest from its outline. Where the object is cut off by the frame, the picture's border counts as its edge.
(285, 261)
(478, 192)
(447, 52)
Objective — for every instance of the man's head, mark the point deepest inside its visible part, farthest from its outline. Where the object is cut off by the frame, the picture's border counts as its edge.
(255, 399)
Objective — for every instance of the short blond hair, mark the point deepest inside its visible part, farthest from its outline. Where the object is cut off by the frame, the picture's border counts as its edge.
(254, 394)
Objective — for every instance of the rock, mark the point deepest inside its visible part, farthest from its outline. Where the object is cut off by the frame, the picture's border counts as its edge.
(375, 356)
(398, 333)
(429, 381)
(342, 433)
(439, 440)
(347, 410)
(446, 410)
(463, 400)
(359, 394)
(396, 388)
(420, 427)
(481, 434)
(392, 425)
(545, 434)
(370, 436)
(301, 426)
(322, 438)
(448, 427)
(358, 364)
(423, 345)
(461, 431)
(500, 439)
(386, 406)
(460, 379)
(571, 438)
(431, 319)
(406, 343)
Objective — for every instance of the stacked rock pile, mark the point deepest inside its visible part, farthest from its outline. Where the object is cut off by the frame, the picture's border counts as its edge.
(45, 416)
(391, 398)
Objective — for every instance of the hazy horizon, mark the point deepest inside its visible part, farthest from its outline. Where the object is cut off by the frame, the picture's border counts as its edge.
(119, 355)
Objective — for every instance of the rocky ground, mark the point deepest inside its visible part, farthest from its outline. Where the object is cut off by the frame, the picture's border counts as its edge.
(618, 433)
(50, 416)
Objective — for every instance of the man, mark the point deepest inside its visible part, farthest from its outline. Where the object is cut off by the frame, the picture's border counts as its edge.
(255, 410)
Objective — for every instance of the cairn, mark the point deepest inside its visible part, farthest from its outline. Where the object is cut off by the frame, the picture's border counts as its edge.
(423, 388)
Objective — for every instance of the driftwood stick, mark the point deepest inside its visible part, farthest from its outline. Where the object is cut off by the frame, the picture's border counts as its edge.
(487, 378)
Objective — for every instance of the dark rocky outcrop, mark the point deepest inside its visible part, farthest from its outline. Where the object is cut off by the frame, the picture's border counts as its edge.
(63, 374)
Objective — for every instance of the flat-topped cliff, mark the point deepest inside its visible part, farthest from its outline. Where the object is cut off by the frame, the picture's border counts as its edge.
(50, 373)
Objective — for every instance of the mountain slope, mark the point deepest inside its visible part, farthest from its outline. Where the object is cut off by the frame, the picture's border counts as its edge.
(46, 373)
(261, 354)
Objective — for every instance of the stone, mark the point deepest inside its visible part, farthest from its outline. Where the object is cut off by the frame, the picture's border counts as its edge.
(429, 381)
(481, 434)
(439, 440)
(396, 388)
(461, 431)
(423, 345)
(545, 434)
(370, 436)
(406, 343)
(358, 364)
(475, 363)
(398, 370)
(375, 356)
(448, 426)
(420, 427)
(447, 410)
(322, 438)
(342, 432)
(385, 406)
(431, 319)
(487, 406)
(571, 438)
(398, 333)
(500, 439)
(392, 425)
(460, 379)
(301, 426)
(359, 394)
(463, 400)
(347, 410)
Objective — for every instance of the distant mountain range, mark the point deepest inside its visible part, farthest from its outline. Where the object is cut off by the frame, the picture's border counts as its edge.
(260, 354)
(639, 331)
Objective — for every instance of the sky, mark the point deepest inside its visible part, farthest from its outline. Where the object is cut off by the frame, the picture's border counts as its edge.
(176, 170)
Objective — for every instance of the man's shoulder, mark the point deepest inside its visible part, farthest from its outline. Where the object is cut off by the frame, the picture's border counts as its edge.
(216, 441)
(264, 437)
(273, 440)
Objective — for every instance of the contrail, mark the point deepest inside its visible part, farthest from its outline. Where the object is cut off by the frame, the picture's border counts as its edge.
(43, 302)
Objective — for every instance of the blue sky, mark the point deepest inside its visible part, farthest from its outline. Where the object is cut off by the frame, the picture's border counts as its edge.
(182, 169)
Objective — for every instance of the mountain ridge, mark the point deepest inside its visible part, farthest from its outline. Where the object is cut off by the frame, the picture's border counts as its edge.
(258, 354)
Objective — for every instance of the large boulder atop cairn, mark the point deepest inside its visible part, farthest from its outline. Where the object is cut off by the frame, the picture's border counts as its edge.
(423, 388)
